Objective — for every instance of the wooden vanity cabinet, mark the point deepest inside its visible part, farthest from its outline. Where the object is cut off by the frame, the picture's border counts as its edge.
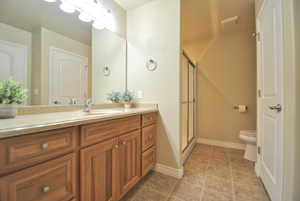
(91, 162)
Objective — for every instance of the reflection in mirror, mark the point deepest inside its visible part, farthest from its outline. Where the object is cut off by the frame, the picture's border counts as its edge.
(50, 53)
(109, 64)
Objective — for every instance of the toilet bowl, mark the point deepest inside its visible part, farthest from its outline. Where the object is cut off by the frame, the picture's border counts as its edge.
(249, 137)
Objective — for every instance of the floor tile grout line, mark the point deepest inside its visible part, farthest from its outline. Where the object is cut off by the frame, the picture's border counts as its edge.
(205, 178)
(232, 180)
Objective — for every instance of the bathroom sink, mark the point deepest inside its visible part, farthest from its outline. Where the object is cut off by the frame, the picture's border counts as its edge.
(101, 112)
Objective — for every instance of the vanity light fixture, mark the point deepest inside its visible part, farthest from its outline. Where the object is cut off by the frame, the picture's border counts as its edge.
(89, 10)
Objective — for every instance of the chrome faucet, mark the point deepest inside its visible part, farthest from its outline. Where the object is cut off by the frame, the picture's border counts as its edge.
(87, 105)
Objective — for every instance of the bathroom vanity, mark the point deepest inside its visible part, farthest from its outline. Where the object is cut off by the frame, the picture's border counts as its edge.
(94, 159)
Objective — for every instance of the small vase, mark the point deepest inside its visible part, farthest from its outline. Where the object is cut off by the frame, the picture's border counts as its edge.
(8, 111)
(127, 105)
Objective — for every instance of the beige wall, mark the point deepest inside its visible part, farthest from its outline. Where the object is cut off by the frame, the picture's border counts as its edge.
(226, 77)
(19, 36)
(49, 39)
(153, 30)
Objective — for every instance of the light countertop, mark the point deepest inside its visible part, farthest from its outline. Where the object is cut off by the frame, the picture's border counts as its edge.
(27, 124)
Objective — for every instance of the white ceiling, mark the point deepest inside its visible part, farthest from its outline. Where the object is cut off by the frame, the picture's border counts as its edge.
(129, 4)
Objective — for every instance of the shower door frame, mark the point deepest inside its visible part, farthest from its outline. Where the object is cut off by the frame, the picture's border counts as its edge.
(194, 66)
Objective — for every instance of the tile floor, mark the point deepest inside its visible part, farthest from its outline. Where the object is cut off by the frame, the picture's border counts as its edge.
(211, 174)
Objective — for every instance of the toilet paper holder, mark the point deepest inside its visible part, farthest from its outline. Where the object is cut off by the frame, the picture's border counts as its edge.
(237, 107)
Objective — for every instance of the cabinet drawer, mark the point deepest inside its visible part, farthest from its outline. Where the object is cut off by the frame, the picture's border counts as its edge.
(50, 181)
(149, 119)
(20, 152)
(148, 160)
(148, 137)
(97, 132)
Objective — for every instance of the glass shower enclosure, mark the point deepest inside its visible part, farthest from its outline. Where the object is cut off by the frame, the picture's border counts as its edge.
(188, 101)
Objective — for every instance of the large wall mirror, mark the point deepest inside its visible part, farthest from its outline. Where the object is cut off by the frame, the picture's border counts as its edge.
(58, 58)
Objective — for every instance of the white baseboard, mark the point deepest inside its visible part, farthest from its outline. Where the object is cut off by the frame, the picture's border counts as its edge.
(221, 143)
(173, 172)
(188, 151)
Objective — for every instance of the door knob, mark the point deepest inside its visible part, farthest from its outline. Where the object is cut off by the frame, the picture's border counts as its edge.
(277, 107)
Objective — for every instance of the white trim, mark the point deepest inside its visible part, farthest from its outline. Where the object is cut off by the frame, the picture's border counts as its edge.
(188, 151)
(257, 169)
(173, 172)
(221, 143)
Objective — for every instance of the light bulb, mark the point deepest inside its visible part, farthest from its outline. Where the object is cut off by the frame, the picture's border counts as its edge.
(98, 24)
(67, 7)
(50, 1)
(85, 17)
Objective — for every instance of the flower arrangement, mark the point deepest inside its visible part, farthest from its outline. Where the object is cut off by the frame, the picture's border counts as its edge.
(127, 98)
(114, 97)
(11, 92)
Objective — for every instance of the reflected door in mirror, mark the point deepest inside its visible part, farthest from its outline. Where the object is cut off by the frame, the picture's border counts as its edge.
(68, 77)
(13, 59)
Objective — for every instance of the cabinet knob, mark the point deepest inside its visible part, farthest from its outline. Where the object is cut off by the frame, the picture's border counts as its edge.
(46, 189)
(124, 143)
(116, 146)
(45, 146)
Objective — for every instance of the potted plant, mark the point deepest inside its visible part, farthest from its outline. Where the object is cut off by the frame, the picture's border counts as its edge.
(114, 97)
(127, 98)
(11, 94)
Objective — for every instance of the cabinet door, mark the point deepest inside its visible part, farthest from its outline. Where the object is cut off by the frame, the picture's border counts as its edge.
(97, 171)
(129, 159)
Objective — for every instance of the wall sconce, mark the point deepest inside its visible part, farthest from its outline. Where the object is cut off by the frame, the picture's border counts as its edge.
(151, 65)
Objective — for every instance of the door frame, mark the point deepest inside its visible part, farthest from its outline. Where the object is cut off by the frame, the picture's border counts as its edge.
(290, 86)
(52, 50)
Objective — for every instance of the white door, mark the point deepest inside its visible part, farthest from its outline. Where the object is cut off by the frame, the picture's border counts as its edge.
(270, 115)
(68, 77)
(13, 62)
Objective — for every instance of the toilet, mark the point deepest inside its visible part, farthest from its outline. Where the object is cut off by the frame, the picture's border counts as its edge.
(249, 137)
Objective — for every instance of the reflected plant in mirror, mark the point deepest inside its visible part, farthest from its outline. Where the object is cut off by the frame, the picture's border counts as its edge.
(114, 97)
(127, 99)
(11, 94)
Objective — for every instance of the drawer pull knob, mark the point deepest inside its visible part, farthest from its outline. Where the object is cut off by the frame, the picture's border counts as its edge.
(46, 189)
(124, 143)
(45, 146)
(116, 146)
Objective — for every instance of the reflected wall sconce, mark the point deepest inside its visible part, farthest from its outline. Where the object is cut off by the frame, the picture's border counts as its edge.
(151, 65)
(106, 71)
(89, 11)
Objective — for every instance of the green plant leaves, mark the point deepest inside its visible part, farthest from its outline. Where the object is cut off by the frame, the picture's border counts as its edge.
(11, 92)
